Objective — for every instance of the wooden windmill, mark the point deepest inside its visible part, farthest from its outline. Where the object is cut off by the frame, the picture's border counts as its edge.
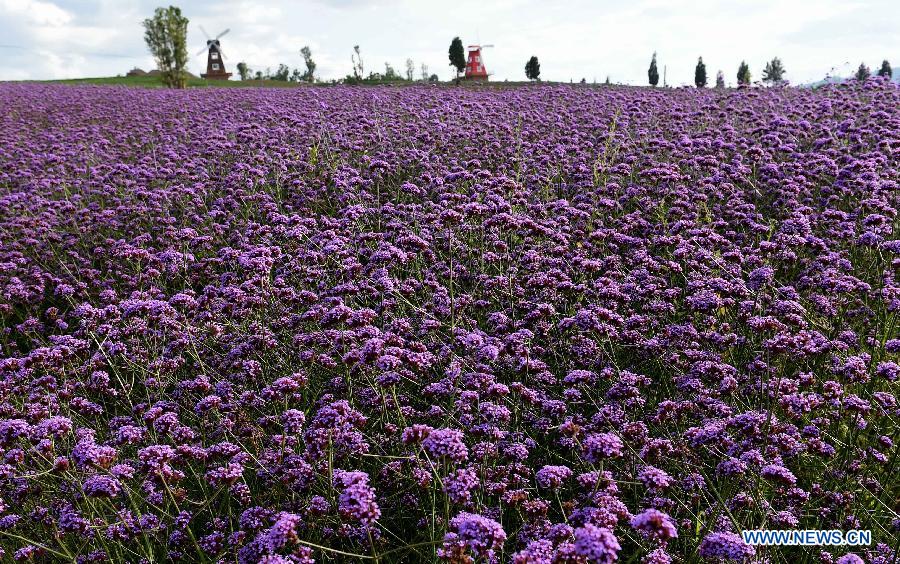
(475, 69)
(215, 58)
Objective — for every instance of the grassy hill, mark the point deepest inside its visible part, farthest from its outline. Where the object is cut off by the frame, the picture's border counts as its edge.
(153, 81)
(156, 82)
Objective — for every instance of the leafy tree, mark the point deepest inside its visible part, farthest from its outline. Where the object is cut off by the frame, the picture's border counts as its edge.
(720, 79)
(863, 72)
(282, 73)
(424, 72)
(653, 72)
(166, 37)
(410, 69)
(310, 74)
(700, 74)
(297, 75)
(356, 57)
(743, 74)
(259, 75)
(389, 72)
(457, 56)
(774, 72)
(885, 69)
(533, 68)
(434, 78)
(243, 71)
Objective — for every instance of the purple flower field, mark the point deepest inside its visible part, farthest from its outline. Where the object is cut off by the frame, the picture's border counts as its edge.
(531, 325)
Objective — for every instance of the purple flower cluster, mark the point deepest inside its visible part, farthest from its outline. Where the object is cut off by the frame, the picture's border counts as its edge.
(552, 476)
(655, 524)
(542, 324)
(101, 486)
(446, 444)
(600, 446)
(472, 536)
(596, 544)
(357, 498)
(726, 547)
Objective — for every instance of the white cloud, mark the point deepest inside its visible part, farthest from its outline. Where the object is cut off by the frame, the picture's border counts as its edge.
(574, 39)
(36, 13)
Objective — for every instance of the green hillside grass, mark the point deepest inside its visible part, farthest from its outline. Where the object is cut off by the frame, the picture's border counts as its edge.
(156, 82)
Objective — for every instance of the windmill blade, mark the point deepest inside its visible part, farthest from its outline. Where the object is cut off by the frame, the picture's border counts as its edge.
(486, 46)
(204, 32)
(201, 51)
(223, 33)
(221, 52)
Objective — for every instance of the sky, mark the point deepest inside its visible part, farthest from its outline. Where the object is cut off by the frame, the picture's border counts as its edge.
(49, 39)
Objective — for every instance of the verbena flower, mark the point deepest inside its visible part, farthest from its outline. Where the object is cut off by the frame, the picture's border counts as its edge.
(596, 544)
(725, 546)
(655, 524)
(101, 486)
(472, 535)
(549, 308)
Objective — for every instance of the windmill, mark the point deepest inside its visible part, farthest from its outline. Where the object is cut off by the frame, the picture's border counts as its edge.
(475, 69)
(215, 64)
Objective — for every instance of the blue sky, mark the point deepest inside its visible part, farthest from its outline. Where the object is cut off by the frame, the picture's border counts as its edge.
(573, 40)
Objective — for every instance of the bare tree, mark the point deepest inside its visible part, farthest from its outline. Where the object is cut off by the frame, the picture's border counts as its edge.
(356, 57)
(310, 74)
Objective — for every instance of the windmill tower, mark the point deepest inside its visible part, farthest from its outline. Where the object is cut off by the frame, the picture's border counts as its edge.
(215, 63)
(475, 69)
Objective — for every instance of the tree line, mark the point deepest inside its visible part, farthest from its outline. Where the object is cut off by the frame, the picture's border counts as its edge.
(166, 36)
(390, 74)
(283, 73)
(773, 73)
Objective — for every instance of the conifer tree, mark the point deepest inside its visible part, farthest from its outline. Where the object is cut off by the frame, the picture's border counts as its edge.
(743, 74)
(533, 68)
(653, 72)
(700, 74)
(457, 56)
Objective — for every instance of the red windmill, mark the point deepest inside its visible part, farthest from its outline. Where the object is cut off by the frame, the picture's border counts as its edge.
(475, 68)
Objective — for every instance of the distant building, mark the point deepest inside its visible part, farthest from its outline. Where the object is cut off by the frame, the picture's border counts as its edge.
(475, 69)
(215, 63)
